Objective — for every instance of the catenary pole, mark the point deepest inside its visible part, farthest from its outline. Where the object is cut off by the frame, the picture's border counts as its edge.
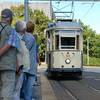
(26, 15)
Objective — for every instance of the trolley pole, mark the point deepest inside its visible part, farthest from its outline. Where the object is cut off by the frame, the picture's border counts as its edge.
(26, 16)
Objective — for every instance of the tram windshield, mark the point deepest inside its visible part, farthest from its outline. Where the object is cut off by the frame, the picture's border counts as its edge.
(67, 42)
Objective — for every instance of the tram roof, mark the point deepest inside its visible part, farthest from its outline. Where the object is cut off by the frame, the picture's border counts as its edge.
(64, 25)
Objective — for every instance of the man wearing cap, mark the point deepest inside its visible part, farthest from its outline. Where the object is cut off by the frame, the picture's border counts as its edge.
(8, 50)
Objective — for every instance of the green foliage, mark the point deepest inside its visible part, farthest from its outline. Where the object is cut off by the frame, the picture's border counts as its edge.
(89, 35)
(40, 20)
(92, 61)
(18, 13)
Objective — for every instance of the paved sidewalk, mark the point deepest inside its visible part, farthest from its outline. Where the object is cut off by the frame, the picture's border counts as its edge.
(91, 69)
(46, 88)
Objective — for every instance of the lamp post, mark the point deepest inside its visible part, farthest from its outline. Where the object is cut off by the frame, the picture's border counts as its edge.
(88, 50)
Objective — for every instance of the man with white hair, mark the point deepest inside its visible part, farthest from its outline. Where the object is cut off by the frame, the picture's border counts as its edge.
(27, 77)
(23, 61)
(8, 52)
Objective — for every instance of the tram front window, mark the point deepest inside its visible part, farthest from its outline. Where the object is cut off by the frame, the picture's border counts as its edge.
(67, 42)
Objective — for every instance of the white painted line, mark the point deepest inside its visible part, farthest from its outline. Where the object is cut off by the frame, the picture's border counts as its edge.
(70, 94)
(97, 79)
(94, 89)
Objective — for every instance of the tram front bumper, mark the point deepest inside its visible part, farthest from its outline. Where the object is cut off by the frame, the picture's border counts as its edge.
(65, 69)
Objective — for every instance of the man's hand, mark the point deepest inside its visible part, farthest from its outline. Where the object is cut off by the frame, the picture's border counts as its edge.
(4, 49)
(39, 63)
(19, 69)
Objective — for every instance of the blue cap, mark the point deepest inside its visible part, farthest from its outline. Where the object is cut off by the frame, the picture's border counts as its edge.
(6, 13)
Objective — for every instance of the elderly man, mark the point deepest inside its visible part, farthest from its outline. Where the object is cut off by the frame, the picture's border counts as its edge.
(8, 52)
(23, 60)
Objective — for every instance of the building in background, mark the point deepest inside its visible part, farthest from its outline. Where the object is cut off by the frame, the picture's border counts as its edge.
(46, 7)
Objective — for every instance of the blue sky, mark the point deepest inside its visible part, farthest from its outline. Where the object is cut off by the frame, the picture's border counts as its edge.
(88, 12)
(90, 15)
(12, 0)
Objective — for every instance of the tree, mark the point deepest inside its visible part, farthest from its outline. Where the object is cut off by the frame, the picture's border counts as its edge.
(41, 22)
(93, 39)
(18, 13)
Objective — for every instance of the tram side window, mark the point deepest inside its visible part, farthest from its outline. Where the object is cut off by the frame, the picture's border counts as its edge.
(48, 41)
(77, 42)
(67, 42)
(56, 41)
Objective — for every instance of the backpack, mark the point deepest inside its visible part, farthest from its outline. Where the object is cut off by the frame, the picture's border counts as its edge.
(2, 29)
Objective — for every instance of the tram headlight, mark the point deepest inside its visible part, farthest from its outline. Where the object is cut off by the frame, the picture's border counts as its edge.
(67, 61)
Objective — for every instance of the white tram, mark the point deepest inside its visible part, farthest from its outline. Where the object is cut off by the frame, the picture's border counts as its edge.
(64, 50)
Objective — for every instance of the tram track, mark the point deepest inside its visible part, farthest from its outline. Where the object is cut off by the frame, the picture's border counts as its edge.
(74, 90)
(68, 91)
(91, 82)
(81, 91)
(61, 92)
(90, 86)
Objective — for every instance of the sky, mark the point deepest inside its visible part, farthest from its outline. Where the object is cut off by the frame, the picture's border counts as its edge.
(87, 12)
(90, 15)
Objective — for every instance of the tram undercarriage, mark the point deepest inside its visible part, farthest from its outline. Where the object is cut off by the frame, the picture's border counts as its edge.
(65, 73)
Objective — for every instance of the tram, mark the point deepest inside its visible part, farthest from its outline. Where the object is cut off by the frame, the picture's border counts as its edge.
(64, 48)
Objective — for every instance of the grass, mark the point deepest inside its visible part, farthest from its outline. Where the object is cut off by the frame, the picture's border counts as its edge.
(92, 61)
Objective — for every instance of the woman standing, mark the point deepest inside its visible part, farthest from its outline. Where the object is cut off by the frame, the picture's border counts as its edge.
(29, 77)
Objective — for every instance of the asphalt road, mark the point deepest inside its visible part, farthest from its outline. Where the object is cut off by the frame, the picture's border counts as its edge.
(70, 89)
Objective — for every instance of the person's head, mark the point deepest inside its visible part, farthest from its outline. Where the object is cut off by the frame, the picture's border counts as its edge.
(30, 26)
(7, 16)
(20, 27)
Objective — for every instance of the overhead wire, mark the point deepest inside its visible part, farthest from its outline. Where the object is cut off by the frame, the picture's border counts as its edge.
(72, 10)
(61, 9)
(89, 10)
